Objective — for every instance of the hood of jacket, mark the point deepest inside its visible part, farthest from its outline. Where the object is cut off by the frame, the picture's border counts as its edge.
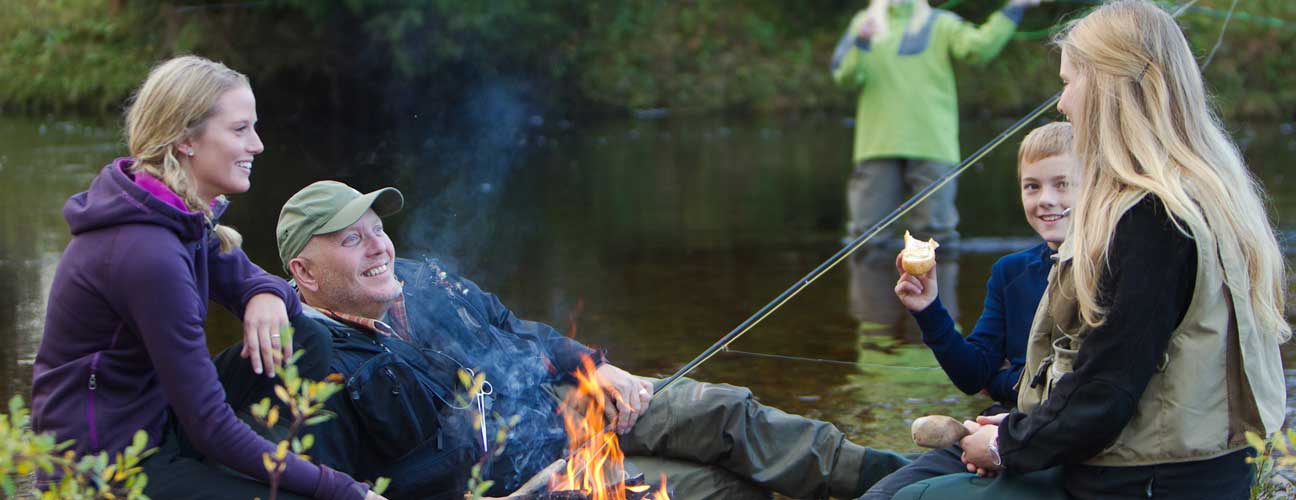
(115, 199)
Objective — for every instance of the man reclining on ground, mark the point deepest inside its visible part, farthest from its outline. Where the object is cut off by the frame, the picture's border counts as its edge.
(399, 331)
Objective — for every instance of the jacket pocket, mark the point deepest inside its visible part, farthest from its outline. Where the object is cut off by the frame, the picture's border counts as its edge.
(1063, 361)
(433, 470)
(400, 407)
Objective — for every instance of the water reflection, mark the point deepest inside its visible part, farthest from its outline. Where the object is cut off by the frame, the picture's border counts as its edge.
(668, 232)
(40, 164)
(872, 292)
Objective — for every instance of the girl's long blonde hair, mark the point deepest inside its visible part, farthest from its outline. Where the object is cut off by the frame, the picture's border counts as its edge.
(174, 104)
(1145, 126)
(877, 10)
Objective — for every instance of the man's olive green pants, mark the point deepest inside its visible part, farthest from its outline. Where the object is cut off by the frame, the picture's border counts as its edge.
(717, 441)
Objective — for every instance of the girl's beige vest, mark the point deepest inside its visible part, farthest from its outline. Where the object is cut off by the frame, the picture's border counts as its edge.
(1219, 378)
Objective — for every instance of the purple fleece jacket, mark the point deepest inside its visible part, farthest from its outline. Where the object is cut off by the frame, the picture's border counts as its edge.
(124, 334)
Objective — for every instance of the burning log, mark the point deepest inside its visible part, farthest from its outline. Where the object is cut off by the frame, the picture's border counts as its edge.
(595, 467)
(540, 480)
(633, 488)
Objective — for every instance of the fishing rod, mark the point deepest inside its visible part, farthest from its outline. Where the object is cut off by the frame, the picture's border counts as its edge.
(1179, 10)
(796, 288)
(850, 248)
(1270, 21)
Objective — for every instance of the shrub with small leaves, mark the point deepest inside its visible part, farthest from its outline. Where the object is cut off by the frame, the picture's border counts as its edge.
(304, 400)
(1273, 455)
(473, 383)
(24, 452)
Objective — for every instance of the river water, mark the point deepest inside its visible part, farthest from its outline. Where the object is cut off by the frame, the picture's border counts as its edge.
(650, 237)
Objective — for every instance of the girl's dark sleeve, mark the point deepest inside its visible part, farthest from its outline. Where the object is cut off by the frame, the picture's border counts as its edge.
(1146, 290)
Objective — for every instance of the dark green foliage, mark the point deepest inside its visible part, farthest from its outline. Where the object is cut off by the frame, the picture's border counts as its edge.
(691, 56)
(71, 54)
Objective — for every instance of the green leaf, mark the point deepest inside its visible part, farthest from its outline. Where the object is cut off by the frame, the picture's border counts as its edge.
(1256, 442)
(381, 484)
(286, 335)
(282, 393)
(140, 440)
(261, 408)
(465, 379)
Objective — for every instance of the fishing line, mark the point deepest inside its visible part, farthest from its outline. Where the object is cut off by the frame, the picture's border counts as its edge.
(841, 255)
(975, 157)
(1270, 21)
(827, 265)
(830, 361)
(796, 288)
(1220, 40)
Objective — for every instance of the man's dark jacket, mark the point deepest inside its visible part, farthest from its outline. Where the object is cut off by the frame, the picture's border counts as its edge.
(403, 413)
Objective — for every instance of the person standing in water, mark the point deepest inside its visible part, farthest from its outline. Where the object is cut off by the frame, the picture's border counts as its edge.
(899, 55)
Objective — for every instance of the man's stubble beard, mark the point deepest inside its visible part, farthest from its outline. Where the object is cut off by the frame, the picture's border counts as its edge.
(350, 300)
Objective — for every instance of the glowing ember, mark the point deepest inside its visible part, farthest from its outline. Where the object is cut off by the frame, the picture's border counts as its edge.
(595, 464)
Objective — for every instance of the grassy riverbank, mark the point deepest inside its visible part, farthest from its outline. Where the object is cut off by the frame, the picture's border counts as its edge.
(692, 57)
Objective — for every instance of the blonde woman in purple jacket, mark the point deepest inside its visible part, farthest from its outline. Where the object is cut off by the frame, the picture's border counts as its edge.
(124, 347)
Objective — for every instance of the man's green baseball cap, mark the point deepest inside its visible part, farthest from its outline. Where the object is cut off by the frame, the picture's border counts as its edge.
(325, 207)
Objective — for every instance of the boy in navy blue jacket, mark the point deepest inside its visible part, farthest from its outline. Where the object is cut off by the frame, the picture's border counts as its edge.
(990, 360)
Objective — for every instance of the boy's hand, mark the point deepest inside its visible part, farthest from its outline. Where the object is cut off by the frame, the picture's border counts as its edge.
(915, 292)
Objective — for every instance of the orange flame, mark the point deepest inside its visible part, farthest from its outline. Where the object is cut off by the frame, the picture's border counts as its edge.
(596, 465)
(660, 494)
(573, 316)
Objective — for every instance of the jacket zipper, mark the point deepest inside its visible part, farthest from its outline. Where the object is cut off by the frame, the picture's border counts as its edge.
(91, 386)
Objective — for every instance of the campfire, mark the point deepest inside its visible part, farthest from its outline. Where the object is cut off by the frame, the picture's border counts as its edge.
(595, 468)
(633, 488)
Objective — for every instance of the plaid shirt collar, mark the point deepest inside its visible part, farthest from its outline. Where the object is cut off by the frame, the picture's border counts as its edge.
(398, 328)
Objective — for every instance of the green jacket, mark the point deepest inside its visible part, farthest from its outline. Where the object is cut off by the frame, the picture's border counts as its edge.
(908, 104)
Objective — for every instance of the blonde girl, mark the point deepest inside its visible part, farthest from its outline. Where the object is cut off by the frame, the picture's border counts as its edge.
(124, 347)
(1155, 348)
